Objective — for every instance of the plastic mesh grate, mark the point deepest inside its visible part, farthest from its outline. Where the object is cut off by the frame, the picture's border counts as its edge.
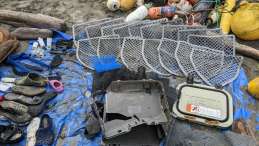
(79, 30)
(151, 58)
(225, 43)
(86, 50)
(171, 31)
(183, 34)
(131, 53)
(216, 31)
(167, 59)
(182, 55)
(122, 31)
(154, 31)
(108, 30)
(207, 62)
(109, 46)
(228, 72)
(95, 30)
(135, 29)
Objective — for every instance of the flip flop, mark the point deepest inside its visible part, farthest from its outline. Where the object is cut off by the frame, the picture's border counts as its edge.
(45, 135)
(23, 99)
(10, 134)
(35, 110)
(15, 112)
(32, 79)
(28, 90)
(31, 131)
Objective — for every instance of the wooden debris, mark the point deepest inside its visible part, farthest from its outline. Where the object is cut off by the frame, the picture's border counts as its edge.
(25, 33)
(32, 20)
(247, 51)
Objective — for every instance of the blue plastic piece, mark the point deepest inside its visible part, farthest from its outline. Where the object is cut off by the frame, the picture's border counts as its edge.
(257, 118)
(15, 62)
(240, 102)
(257, 127)
(104, 63)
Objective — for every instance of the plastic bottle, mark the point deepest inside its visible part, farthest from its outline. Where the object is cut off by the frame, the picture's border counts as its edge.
(161, 12)
(139, 14)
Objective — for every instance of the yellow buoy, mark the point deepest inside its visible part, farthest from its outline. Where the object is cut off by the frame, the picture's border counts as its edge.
(226, 16)
(253, 87)
(245, 22)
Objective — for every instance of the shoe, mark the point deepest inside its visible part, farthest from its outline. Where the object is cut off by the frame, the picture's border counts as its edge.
(28, 90)
(23, 99)
(10, 134)
(45, 135)
(35, 110)
(15, 112)
(93, 126)
(32, 79)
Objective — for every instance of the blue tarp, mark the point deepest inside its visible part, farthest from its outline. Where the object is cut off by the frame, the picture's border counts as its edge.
(68, 110)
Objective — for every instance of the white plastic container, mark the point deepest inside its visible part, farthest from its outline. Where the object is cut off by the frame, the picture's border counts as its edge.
(139, 14)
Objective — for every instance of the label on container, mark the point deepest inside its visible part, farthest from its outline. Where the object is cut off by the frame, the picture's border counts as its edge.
(202, 110)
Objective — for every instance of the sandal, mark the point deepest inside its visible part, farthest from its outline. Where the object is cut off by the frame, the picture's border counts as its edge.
(23, 99)
(45, 135)
(15, 112)
(35, 110)
(10, 134)
(28, 90)
(32, 79)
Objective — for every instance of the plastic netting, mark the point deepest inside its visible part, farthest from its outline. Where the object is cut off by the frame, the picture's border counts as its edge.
(225, 43)
(183, 34)
(154, 31)
(109, 46)
(135, 29)
(165, 47)
(167, 59)
(171, 31)
(86, 50)
(151, 58)
(182, 55)
(228, 72)
(108, 30)
(207, 62)
(79, 29)
(131, 53)
(122, 31)
(95, 30)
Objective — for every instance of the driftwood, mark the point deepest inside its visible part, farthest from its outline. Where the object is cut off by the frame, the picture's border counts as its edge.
(247, 51)
(25, 33)
(32, 20)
